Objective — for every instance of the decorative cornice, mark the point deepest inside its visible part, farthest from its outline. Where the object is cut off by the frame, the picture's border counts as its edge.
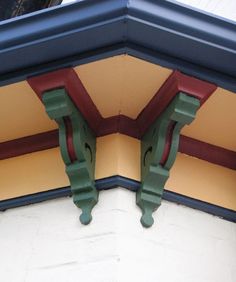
(67, 102)
(61, 38)
(119, 181)
(191, 41)
(68, 79)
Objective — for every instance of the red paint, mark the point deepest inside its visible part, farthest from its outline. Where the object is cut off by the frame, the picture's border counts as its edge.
(207, 152)
(29, 144)
(136, 128)
(69, 139)
(48, 140)
(177, 82)
(167, 147)
(68, 78)
(121, 124)
(128, 126)
(194, 87)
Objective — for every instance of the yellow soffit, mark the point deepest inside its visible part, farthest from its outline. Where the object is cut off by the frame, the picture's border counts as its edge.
(204, 181)
(21, 112)
(122, 84)
(118, 154)
(117, 85)
(215, 122)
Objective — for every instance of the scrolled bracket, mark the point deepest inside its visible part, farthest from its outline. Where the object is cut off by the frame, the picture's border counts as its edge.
(78, 149)
(159, 148)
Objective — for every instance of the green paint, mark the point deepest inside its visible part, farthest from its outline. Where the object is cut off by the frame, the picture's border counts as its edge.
(181, 111)
(81, 170)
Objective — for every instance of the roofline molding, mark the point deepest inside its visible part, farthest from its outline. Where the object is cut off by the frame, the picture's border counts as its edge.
(162, 32)
(119, 181)
(68, 79)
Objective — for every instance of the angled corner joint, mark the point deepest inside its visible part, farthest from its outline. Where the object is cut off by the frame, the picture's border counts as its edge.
(78, 149)
(158, 152)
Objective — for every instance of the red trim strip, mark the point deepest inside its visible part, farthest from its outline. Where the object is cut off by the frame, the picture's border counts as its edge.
(29, 144)
(121, 124)
(169, 135)
(68, 78)
(69, 139)
(177, 82)
(48, 140)
(136, 128)
(207, 152)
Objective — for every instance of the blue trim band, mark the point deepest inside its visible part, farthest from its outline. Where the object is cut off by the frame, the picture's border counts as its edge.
(119, 181)
(224, 213)
(162, 32)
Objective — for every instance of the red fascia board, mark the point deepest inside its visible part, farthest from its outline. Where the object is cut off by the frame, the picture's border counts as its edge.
(29, 144)
(68, 79)
(177, 82)
(207, 152)
(119, 124)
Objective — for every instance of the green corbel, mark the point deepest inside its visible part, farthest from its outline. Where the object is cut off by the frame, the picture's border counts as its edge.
(159, 148)
(78, 149)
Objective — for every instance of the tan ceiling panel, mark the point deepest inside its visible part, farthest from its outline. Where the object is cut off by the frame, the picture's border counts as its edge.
(122, 84)
(22, 113)
(202, 180)
(117, 154)
(32, 173)
(216, 121)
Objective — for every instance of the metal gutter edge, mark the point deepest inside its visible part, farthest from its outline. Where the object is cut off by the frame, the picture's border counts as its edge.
(167, 33)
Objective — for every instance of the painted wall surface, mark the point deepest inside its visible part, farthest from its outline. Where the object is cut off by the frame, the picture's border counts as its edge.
(225, 8)
(46, 242)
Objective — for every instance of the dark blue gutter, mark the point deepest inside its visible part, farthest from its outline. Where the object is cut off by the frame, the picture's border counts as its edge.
(119, 181)
(161, 32)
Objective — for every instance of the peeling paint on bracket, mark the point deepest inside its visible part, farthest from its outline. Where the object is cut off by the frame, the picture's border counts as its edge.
(78, 149)
(158, 152)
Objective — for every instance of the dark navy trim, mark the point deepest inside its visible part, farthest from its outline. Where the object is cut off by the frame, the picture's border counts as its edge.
(119, 181)
(162, 32)
(224, 213)
(34, 198)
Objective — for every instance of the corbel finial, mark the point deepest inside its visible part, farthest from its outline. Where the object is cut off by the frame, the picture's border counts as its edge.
(78, 149)
(158, 152)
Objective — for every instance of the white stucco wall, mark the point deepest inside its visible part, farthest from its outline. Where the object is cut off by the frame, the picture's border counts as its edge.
(45, 242)
(222, 8)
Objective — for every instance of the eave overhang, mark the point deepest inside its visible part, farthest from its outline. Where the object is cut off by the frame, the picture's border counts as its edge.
(162, 32)
(65, 55)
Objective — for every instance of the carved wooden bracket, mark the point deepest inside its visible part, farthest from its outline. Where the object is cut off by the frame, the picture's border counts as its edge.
(158, 126)
(158, 152)
(78, 149)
